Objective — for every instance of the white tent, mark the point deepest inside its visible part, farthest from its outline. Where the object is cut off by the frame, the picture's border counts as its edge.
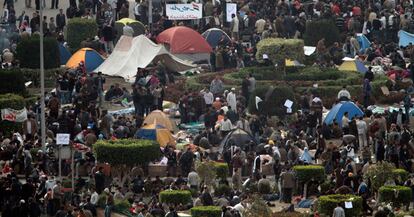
(131, 53)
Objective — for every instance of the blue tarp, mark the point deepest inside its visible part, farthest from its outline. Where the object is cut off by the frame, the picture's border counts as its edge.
(363, 41)
(405, 38)
(338, 110)
(150, 134)
(64, 54)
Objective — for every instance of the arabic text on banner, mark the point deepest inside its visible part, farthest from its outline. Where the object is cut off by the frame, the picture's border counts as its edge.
(231, 8)
(184, 11)
(14, 115)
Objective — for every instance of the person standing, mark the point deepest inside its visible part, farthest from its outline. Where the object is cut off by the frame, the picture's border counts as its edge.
(366, 92)
(231, 99)
(216, 86)
(338, 211)
(234, 27)
(407, 106)
(108, 37)
(362, 132)
(245, 89)
(109, 203)
(287, 179)
(55, 4)
(60, 20)
(252, 84)
(208, 97)
(99, 180)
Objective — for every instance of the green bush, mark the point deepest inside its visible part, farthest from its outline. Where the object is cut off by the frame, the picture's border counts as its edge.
(264, 188)
(121, 205)
(315, 74)
(175, 197)
(259, 73)
(326, 186)
(274, 98)
(33, 75)
(222, 170)
(318, 29)
(400, 175)
(326, 204)
(30, 101)
(279, 49)
(397, 195)
(258, 208)
(206, 211)
(32, 59)
(309, 172)
(127, 151)
(102, 200)
(11, 81)
(222, 189)
(79, 29)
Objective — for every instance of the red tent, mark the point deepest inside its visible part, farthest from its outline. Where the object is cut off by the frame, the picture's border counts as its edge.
(183, 40)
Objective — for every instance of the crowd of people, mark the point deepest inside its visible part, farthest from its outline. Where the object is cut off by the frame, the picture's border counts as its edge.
(29, 183)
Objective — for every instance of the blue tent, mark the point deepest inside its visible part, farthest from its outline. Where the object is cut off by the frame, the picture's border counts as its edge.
(363, 41)
(213, 36)
(338, 110)
(405, 38)
(64, 54)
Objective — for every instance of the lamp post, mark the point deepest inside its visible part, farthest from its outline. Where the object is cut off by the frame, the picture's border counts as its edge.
(42, 83)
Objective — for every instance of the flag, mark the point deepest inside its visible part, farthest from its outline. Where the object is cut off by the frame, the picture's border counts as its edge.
(257, 102)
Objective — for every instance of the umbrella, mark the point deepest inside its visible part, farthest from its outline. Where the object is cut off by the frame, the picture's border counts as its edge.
(89, 56)
(137, 26)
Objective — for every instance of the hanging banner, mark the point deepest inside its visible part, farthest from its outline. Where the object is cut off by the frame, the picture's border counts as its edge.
(14, 115)
(184, 11)
(231, 8)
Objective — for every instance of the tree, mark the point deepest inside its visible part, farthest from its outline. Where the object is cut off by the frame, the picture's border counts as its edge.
(379, 174)
(79, 29)
(318, 29)
(32, 59)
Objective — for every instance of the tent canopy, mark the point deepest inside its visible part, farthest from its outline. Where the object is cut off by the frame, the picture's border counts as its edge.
(405, 38)
(237, 137)
(184, 40)
(160, 118)
(338, 111)
(156, 132)
(130, 53)
(137, 26)
(64, 54)
(215, 36)
(353, 65)
(89, 56)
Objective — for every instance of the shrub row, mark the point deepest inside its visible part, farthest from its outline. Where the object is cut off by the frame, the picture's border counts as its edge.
(206, 211)
(396, 195)
(127, 151)
(175, 197)
(326, 204)
(79, 29)
(309, 172)
(11, 81)
(278, 49)
(32, 59)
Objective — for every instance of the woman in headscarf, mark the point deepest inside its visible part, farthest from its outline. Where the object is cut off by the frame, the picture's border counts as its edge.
(306, 157)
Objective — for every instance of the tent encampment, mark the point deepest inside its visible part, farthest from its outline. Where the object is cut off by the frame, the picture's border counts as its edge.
(89, 56)
(159, 117)
(131, 53)
(237, 137)
(64, 54)
(215, 36)
(156, 132)
(185, 43)
(354, 65)
(338, 111)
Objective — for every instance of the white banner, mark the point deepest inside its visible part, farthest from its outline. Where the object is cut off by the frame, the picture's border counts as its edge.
(231, 8)
(184, 11)
(14, 115)
(62, 138)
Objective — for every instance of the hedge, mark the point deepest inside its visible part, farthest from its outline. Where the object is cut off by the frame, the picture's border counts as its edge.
(222, 189)
(222, 170)
(127, 151)
(278, 50)
(318, 29)
(121, 205)
(79, 29)
(397, 195)
(326, 204)
(206, 211)
(401, 175)
(309, 172)
(315, 74)
(33, 75)
(175, 197)
(32, 59)
(11, 81)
